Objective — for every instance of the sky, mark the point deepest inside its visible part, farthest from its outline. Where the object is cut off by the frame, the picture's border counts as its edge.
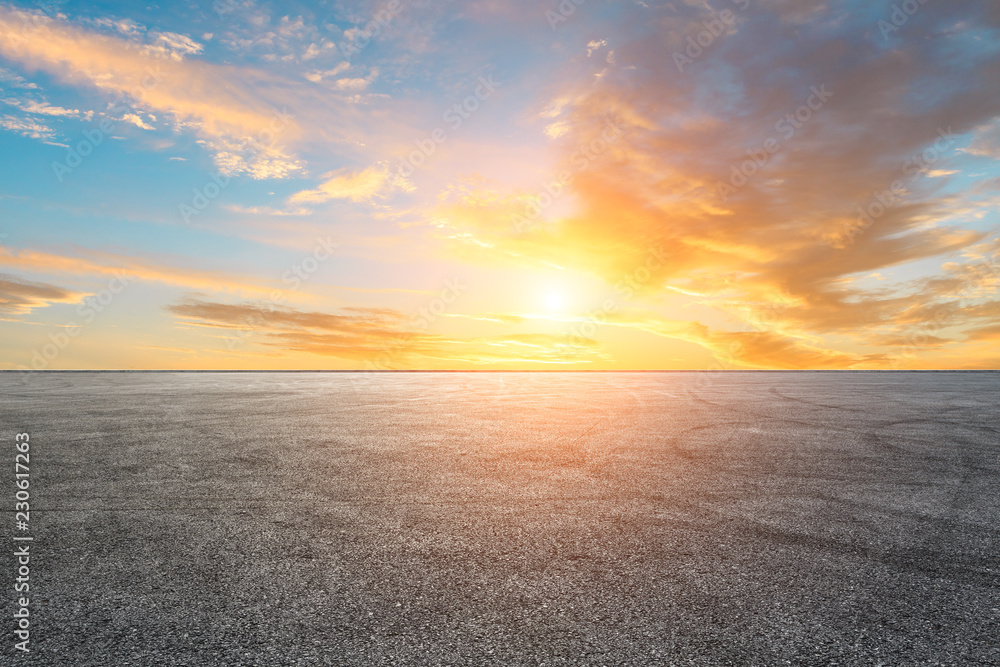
(500, 184)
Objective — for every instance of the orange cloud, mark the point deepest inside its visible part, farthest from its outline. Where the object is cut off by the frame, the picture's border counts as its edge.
(345, 184)
(134, 268)
(760, 234)
(19, 296)
(381, 338)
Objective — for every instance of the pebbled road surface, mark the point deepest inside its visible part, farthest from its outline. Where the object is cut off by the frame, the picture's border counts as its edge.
(507, 518)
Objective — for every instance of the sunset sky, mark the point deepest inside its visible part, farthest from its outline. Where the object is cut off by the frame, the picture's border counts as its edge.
(500, 184)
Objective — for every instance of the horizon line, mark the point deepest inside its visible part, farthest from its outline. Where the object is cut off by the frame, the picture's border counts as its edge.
(504, 370)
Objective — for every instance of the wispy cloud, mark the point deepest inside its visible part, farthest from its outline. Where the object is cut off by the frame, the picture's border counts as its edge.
(213, 100)
(346, 184)
(110, 264)
(369, 334)
(19, 296)
(27, 127)
(46, 109)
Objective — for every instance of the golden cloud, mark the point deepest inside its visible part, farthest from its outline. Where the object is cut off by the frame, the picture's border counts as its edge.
(19, 296)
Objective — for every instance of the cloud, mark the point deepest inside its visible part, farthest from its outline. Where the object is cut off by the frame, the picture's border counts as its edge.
(359, 333)
(732, 349)
(753, 349)
(45, 109)
(344, 84)
(270, 210)
(27, 128)
(986, 140)
(318, 75)
(757, 234)
(172, 45)
(124, 26)
(32, 105)
(11, 80)
(384, 338)
(765, 246)
(534, 348)
(19, 296)
(245, 129)
(137, 120)
(364, 334)
(135, 268)
(988, 334)
(159, 44)
(354, 84)
(595, 45)
(174, 350)
(346, 184)
(252, 31)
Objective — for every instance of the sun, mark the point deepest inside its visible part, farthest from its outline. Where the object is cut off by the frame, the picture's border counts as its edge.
(554, 301)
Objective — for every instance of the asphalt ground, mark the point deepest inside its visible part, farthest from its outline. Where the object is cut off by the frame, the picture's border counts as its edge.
(506, 518)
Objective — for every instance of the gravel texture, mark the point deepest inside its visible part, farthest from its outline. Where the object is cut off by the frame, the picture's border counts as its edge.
(508, 518)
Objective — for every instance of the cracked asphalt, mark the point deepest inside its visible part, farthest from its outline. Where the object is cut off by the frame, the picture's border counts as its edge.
(508, 518)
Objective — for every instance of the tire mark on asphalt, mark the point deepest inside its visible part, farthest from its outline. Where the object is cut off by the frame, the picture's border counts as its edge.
(774, 390)
(977, 570)
(595, 455)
